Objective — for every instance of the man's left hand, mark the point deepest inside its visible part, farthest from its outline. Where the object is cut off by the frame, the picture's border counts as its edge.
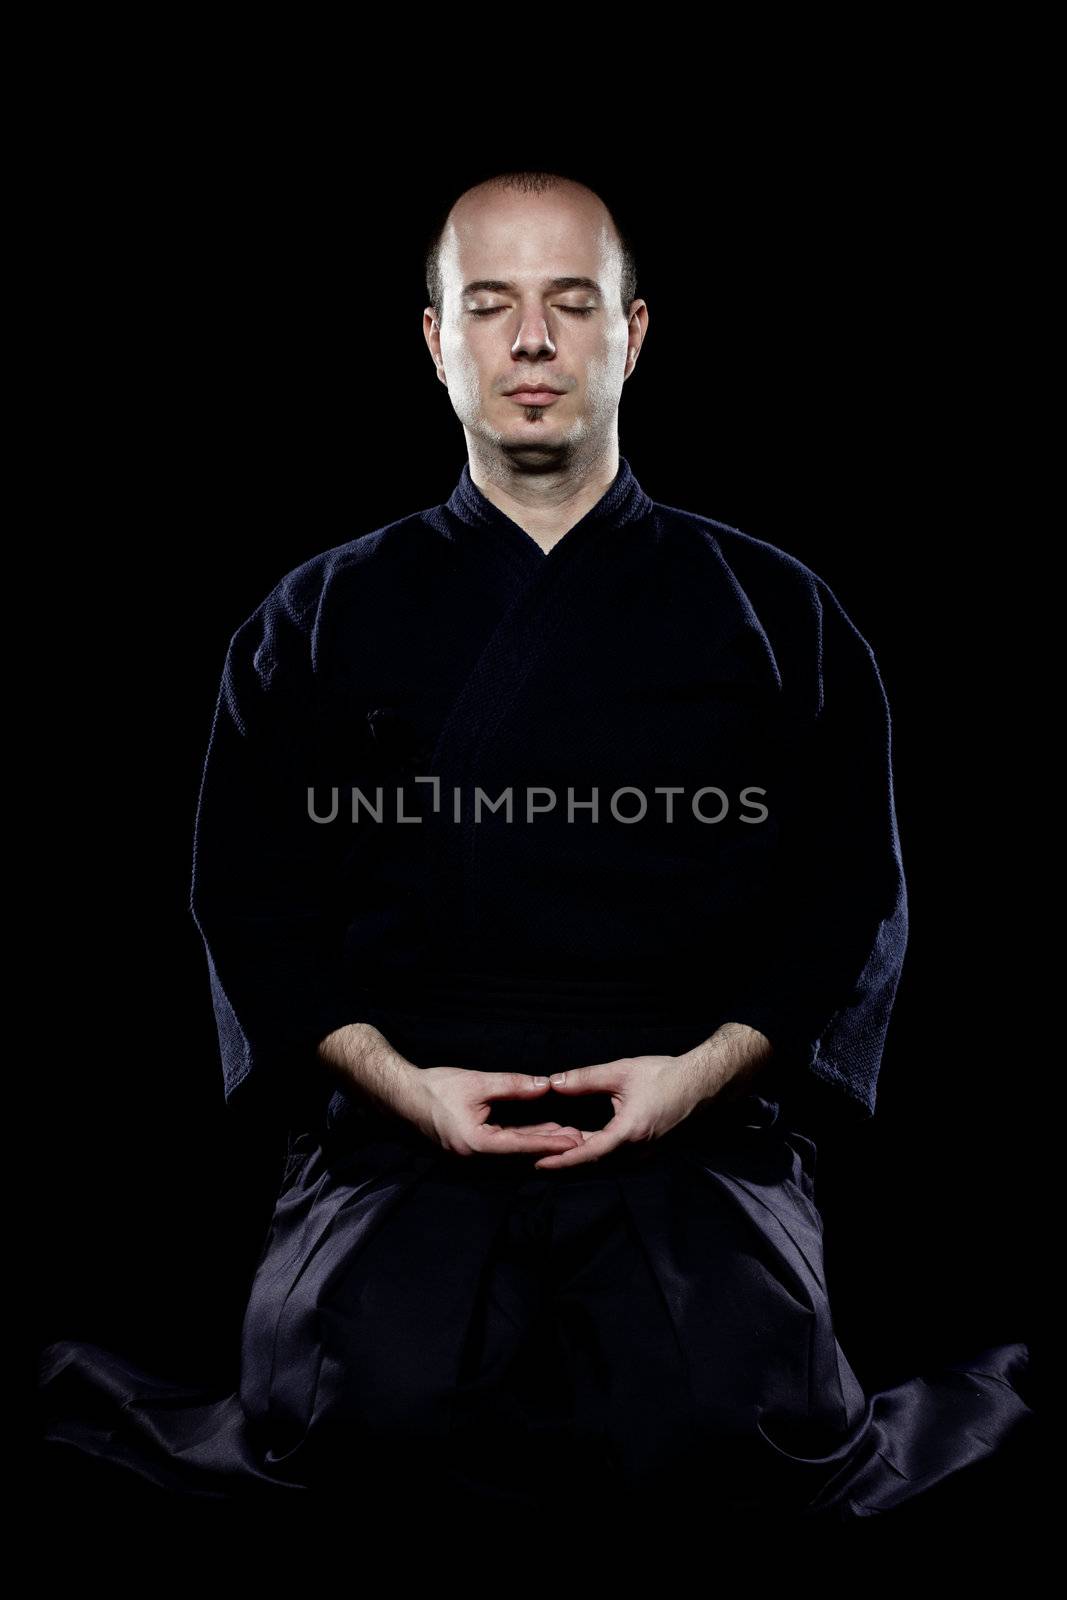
(652, 1094)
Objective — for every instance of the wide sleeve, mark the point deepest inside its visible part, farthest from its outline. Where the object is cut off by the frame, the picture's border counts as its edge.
(826, 948)
(266, 880)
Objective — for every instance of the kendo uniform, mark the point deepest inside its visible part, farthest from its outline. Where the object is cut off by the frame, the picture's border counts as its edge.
(651, 1324)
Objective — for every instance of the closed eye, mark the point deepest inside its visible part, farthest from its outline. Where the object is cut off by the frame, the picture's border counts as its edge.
(575, 311)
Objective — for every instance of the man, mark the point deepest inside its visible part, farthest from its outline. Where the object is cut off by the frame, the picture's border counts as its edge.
(548, 871)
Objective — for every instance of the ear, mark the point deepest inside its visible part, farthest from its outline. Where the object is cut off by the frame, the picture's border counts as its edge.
(431, 332)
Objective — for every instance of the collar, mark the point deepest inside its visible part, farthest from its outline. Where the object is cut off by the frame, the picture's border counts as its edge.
(624, 501)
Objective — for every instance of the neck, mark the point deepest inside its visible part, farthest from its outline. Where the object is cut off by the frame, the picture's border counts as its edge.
(546, 502)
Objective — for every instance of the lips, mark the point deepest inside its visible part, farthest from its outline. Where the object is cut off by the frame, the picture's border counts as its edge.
(534, 397)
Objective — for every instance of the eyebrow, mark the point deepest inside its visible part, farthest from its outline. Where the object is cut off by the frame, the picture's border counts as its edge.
(501, 287)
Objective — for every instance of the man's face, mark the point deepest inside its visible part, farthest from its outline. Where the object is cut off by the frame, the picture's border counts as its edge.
(515, 319)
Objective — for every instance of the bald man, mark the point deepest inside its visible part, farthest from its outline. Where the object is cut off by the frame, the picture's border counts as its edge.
(548, 872)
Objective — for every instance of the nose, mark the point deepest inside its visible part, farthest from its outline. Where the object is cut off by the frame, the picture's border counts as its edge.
(533, 338)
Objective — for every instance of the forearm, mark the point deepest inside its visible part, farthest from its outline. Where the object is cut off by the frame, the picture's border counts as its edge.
(364, 1061)
(731, 1061)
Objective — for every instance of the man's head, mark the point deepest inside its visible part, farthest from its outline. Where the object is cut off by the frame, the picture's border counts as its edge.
(532, 285)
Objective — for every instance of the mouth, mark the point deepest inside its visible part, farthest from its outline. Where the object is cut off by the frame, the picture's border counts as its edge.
(534, 397)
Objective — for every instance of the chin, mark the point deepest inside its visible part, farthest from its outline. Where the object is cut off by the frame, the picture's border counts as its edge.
(535, 423)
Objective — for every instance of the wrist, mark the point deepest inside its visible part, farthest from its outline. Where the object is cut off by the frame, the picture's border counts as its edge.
(734, 1056)
(366, 1062)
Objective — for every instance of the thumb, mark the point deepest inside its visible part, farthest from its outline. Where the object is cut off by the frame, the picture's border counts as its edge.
(512, 1085)
(587, 1080)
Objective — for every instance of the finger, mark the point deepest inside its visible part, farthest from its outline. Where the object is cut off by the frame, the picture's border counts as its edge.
(595, 1146)
(539, 1127)
(518, 1141)
(577, 1134)
(602, 1075)
(513, 1085)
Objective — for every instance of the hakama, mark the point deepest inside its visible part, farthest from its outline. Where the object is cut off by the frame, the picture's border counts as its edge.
(649, 1332)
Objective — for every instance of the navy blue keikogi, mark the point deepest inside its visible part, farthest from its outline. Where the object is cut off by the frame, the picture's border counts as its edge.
(657, 1321)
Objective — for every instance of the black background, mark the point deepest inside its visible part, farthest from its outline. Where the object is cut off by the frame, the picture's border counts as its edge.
(242, 381)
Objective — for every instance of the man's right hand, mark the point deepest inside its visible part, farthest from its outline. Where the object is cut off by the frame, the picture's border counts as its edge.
(450, 1105)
